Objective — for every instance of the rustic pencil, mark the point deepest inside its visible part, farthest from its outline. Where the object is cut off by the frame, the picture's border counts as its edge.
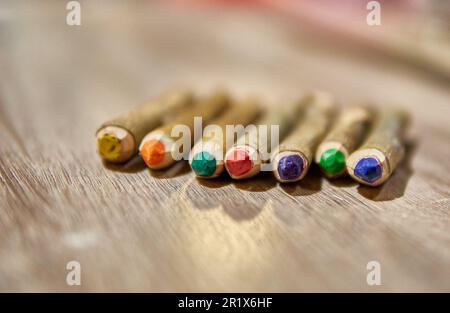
(206, 158)
(345, 136)
(293, 158)
(118, 139)
(246, 157)
(159, 149)
(374, 162)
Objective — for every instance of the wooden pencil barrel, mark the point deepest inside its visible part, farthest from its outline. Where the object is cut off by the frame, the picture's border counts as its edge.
(207, 156)
(240, 113)
(144, 118)
(351, 127)
(206, 108)
(284, 116)
(161, 147)
(312, 128)
(345, 136)
(388, 136)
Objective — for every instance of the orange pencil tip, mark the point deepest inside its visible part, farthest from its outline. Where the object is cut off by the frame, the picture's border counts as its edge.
(152, 152)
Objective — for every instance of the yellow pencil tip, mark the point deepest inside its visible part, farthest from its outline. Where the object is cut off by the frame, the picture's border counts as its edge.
(109, 147)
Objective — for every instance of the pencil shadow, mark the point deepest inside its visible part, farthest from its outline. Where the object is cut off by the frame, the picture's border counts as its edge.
(135, 165)
(214, 183)
(249, 206)
(311, 184)
(342, 182)
(236, 204)
(395, 186)
(264, 181)
(242, 210)
(178, 169)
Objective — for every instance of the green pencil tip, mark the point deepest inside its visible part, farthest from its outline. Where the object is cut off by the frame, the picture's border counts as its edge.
(332, 161)
(203, 164)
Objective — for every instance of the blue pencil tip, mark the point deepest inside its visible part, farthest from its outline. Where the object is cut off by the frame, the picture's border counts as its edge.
(368, 169)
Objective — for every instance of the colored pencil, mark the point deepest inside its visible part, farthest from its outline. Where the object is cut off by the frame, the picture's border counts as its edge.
(206, 158)
(293, 158)
(374, 162)
(159, 149)
(246, 158)
(118, 139)
(345, 136)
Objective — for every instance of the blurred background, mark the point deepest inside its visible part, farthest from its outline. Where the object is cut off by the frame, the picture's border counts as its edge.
(303, 44)
(124, 53)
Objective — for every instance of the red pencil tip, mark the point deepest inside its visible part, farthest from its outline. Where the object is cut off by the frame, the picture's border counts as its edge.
(238, 162)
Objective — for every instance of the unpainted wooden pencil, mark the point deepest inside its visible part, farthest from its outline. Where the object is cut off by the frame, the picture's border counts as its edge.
(118, 139)
(376, 159)
(246, 157)
(159, 149)
(346, 134)
(207, 156)
(293, 158)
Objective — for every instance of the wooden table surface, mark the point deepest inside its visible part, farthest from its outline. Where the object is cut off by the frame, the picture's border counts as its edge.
(136, 230)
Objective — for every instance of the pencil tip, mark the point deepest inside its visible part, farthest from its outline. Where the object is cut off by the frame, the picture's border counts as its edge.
(238, 162)
(368, 169)
(290, 167)
(332, 161)
(153, 152)
(203, 164)
(109, 146)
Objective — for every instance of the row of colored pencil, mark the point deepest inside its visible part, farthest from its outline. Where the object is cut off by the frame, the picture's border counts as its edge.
(366, 144)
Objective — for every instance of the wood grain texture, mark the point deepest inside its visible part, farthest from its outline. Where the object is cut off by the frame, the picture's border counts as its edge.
(136, 230)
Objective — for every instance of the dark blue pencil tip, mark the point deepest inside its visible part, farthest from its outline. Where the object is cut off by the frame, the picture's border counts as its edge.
(368, 169)
(290, 167)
